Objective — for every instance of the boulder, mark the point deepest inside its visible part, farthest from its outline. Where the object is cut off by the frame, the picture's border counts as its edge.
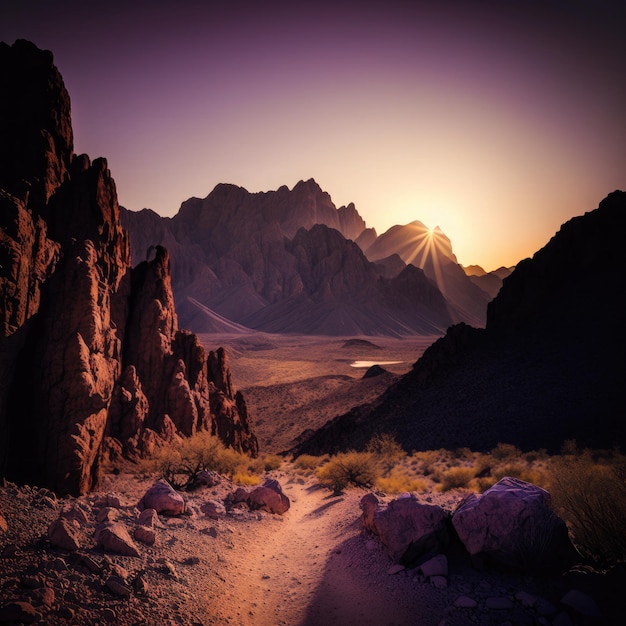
(163, 498)
(145, 535)
(148, 518)
(408, 529)
(269, 497)
(213, 509)
(113, 537)
(63, 534)
(513, 523)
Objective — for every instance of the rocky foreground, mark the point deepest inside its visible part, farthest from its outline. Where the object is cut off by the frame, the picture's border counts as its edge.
(219, 556)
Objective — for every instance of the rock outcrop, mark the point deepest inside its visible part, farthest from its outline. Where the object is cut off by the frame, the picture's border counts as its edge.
(91, 356)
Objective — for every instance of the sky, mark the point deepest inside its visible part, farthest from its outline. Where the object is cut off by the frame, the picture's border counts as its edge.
(495, 120)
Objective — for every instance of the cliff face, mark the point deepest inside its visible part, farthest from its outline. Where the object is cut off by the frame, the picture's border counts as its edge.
(91, 357)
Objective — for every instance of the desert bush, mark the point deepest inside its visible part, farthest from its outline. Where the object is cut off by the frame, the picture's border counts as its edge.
(308, 461)
(349, 468)
(456, 478)
(591, 496)
(504, 451)
(387, 451)
(243, 477)
(181, 462)
(399, 482)
(272, 462)
(428, 460)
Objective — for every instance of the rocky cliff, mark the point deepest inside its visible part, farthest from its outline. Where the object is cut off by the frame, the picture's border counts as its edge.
(548, 366)
(91, 359)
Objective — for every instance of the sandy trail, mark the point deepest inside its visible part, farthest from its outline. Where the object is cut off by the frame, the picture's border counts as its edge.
(314, 566)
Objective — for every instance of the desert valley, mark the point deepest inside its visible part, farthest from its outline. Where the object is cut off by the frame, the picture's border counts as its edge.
(261, 411)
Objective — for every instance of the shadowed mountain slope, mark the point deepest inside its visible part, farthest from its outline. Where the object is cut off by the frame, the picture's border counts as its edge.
(548, 367)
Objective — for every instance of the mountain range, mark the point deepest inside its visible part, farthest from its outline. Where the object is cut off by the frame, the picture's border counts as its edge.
(548, 367)
(290, 261)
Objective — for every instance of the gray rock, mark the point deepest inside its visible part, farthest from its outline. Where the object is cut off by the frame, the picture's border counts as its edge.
(581, 603)
(163, 498)
(63, 534)
(464, 602)
(513, 524)
(407, 528)
(114, 537)
(437, 566)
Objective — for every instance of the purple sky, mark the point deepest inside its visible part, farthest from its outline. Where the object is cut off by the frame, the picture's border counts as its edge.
(497, 121)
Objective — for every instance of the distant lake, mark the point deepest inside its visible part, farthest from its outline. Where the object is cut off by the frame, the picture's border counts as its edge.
(370, 363)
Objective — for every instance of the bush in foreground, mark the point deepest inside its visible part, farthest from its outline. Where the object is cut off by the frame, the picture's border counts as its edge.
(590, 494)
(349, 468)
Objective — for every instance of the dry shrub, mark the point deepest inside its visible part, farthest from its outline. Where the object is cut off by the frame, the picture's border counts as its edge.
(181, 462)
(387, 451)
(428, 460)
(456, 478)
(399, 482)
(308, 461)
(349, 468)
(272, 462)
(243, 477)
(506, 451)
(590, 495)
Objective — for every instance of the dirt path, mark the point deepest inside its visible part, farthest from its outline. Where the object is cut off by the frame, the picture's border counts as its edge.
(313, 566)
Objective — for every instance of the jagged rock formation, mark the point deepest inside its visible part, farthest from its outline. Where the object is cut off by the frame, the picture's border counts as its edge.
(548, 367)
(91, 356)
(287, 261)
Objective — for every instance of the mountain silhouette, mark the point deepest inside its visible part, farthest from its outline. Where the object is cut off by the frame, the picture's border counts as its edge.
(548, 366)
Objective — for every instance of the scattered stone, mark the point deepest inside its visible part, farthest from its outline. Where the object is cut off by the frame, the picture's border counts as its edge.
(395, 569)
(148, 518)
(107, 514)
(526, 599)
(145, 535)
(208, 479)
(581, 603)
(563, 619)
(109, 500)
(437, 566)
(500, 604)
(120, 571)
(114, 537)
(56, 565)
(44, 595)
(211, 532)
(90, 564)
(66, 613)
(109, 615)
(213, 509)
(77, 514)
(439, 582)
(464, 602)
(140, 584)
(269, 497)
(163, 498)
(63, 534)
(19, 612)
(169, 569)
(9, 551)
(117, 587)
(4, 526)
(513, 523)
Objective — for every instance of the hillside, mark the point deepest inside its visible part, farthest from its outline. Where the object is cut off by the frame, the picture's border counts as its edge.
(547, 368)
